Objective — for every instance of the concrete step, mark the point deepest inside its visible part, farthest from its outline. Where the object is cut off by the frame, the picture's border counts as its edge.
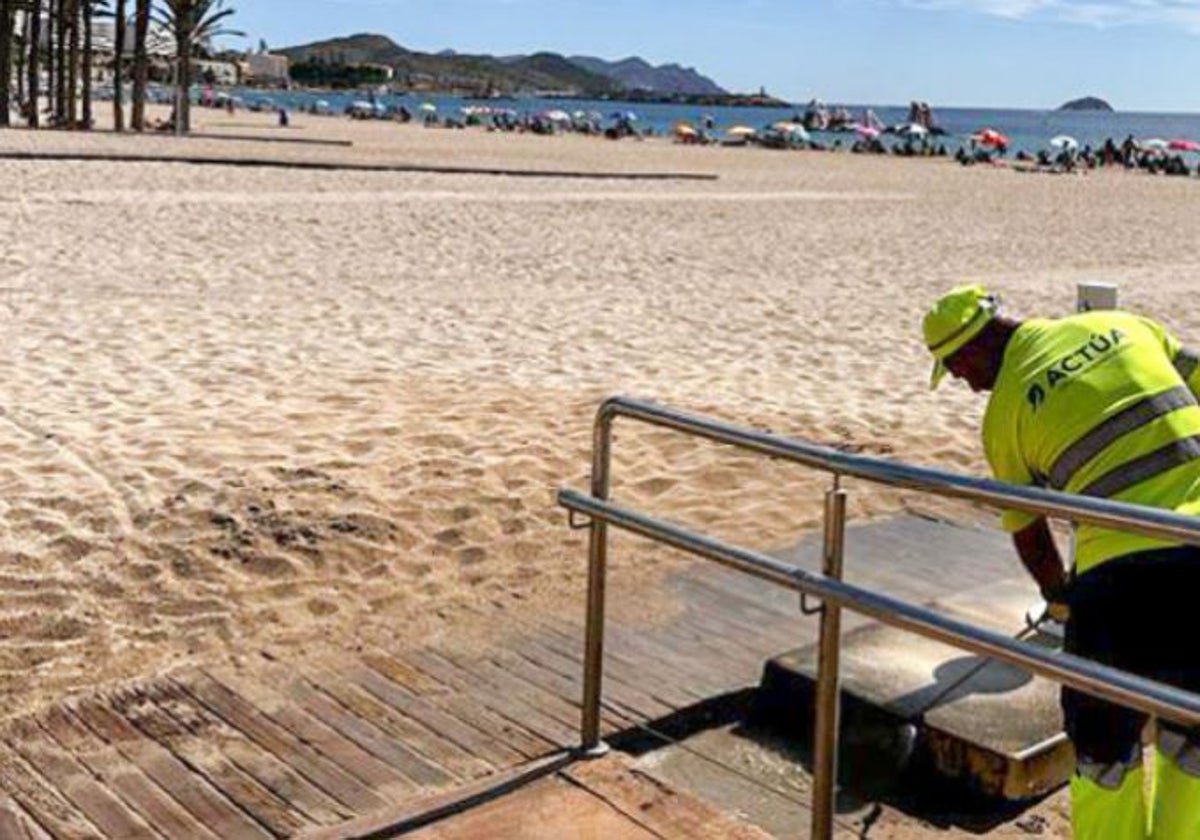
(910, 702)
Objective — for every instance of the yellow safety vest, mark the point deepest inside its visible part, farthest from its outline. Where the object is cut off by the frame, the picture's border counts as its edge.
(1101, 404)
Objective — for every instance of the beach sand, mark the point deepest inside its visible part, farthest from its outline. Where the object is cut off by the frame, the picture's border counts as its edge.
(265, 409)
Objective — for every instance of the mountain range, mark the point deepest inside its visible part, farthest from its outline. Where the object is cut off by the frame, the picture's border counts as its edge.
(543, 71)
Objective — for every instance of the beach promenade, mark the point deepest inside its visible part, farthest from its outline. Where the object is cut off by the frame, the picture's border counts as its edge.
(257, 414)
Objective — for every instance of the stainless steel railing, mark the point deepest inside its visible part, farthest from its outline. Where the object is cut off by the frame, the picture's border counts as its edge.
(1118, 686)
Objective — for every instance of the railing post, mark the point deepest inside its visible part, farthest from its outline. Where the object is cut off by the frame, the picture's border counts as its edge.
(825, 739)
(593, 651)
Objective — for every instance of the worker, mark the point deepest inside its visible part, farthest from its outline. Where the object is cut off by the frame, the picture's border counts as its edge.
(1101, 404)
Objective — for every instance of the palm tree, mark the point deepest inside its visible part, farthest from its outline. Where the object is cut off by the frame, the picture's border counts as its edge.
(193, 23)
(141, 62)
(35, 68)
(6, 39)
(19, 43)
(71, 21)
(119, 66)
(60, 62)
(89, 12)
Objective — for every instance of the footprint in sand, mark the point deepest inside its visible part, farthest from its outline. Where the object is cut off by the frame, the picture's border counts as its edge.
(472, 556)
(654, 486)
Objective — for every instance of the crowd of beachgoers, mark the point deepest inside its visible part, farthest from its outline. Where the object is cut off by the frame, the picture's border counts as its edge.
(815, 128)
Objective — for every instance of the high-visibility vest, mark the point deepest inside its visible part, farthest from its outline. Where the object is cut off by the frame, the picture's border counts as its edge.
(1102, 404)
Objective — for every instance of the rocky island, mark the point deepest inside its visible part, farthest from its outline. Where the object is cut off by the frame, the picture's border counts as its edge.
(1087, 103)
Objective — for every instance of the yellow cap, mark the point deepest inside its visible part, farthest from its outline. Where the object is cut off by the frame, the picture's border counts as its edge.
(955, 320)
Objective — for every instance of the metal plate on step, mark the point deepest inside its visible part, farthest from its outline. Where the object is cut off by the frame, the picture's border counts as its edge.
(992, 725)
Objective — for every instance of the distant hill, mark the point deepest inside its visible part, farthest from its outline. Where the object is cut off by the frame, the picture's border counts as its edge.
(638, 74)
(486, 75)
(1087, 103)
(352, 49)
(477, 74)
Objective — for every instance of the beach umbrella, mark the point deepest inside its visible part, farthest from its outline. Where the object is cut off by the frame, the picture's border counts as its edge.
(912, 130)
(628, 116)
(1154, 144)
(741, 131)
(1063, 141)
(556, 115)
(683, 129)
(1184, 146)
(791, 129)
(428, 107)
(868, 132)
(990, 137)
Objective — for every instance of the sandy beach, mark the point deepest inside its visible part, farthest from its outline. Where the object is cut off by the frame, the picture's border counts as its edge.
(266, 409)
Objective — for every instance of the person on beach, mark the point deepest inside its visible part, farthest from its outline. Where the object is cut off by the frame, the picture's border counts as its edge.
(1101, 404)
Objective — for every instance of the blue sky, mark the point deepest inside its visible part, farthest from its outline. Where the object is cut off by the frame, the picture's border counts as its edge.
(1140, 55)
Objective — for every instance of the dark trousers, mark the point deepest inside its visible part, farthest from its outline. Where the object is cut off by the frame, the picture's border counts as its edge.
(1139, 613)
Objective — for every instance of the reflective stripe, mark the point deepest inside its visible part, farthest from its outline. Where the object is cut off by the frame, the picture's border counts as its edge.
(981, 311)
(1186, 362)
(1139, 469)
(1109, 776)
(1182, 750)
(1120, 424)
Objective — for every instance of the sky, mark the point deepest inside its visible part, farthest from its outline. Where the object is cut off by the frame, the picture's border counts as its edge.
(1139, 55)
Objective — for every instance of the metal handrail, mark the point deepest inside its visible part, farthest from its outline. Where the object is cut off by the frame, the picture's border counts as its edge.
(1110, 683)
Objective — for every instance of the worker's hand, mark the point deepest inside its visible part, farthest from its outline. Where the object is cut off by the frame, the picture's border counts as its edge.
(1057, 608)
(1058, 611)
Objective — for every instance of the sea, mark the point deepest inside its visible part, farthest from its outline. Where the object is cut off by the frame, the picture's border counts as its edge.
(1030, 130)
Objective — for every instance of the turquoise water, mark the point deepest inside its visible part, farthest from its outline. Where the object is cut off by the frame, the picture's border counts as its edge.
(1029, 130)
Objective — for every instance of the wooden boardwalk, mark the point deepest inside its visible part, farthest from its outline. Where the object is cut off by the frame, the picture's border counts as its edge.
(213, 754)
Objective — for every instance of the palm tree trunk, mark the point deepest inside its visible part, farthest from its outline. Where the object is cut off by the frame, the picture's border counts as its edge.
(184, 115)
(73, 7)
(6, 35)
(141, 63)
(60, 62)
(18, 47)
(119, 67)
(87, 64)
(35, 68)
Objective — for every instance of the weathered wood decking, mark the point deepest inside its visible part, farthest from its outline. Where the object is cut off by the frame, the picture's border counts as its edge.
(209, 753)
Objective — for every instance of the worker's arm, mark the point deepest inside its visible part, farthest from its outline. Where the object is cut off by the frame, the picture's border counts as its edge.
(1039, 554)
(1187, 362)
(1185, 359)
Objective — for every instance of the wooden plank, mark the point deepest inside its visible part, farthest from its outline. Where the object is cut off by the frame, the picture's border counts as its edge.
(257, 727)
(455, 763)
(270, 771)
(670, 678)
(475, 704)
(16, 822)
(507, 698)
(493, 734)
(189, 788)
(103, 809)
(648, 696)
(124, 778)
(537, 666)
(45, 804)
(711, 612)
(281, 707)
(201, 744)
(656, 806)
(405, 817)
(702, 594)
(549, 809)
(372, 746)
(426, 712)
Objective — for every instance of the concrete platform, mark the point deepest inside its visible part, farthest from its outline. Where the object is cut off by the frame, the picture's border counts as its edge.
(989, 725)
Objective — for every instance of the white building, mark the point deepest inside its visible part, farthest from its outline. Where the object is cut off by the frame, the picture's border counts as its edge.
(222, 72)
(263, 67)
